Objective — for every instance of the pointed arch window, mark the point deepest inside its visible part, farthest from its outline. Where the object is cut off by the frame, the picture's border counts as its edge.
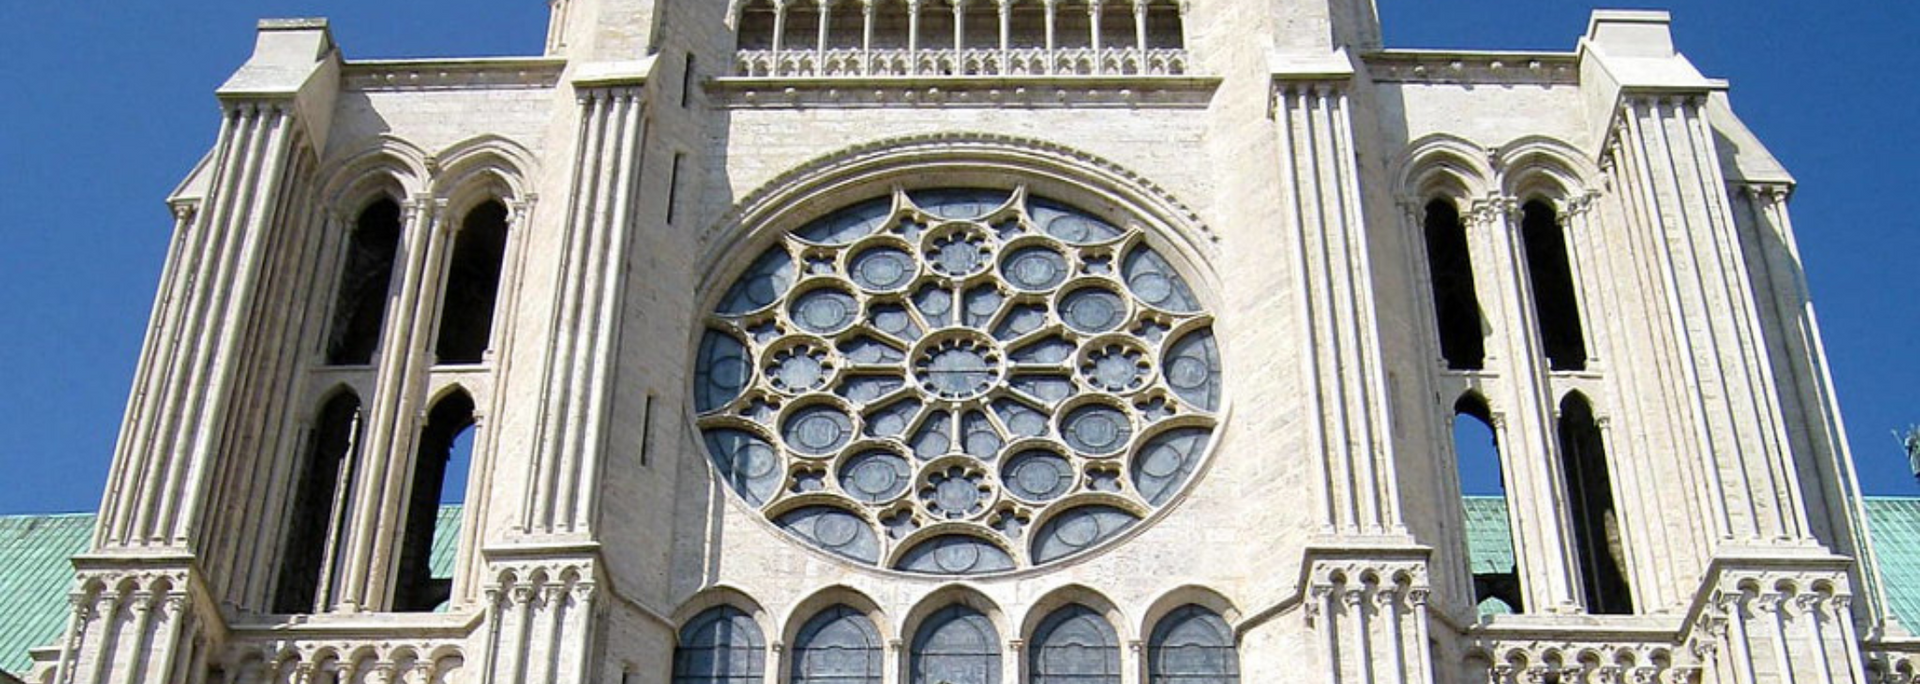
(315, 520)
(1456, 304)
(1596, 524)
(1192, 645)
(1554, 303)
(720, 646)
(957, 645)
(360, 299)
(418, 587)
(472, 285)
(837, 646)
(1489, 523)
(1074, 645)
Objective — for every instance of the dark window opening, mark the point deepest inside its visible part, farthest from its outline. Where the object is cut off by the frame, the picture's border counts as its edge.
(1596, 524)
(673, 185)
(360, 303)
(756, 27)
(473, 282)
(315, 521)
(1456, 305)
(720, 646)
(1489, 524)
(1164, 31)
(686, 81)
(1192, 645)
(439, 471)
(1554, 302)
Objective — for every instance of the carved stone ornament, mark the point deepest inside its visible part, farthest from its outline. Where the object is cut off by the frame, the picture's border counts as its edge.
(910, 381)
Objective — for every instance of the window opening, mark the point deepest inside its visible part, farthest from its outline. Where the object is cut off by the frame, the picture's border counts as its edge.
(673, 185)
(837, 646)
(720, 646)
(957, 645)
(317, 504)
(1554, 303)
(756, 26)
(1074, 645)
(1489, 525)
(472, 285)
(1192, 645)
(360, 303)
(446, 435)
(1164, 31)
(1596, 524)
(1456, 306)
(686, 81)
(646, 430)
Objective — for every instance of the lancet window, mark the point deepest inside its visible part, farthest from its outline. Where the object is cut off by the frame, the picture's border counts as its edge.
(1074, 645)
(315, 522)
(781, 38)
(1192, 645)
(472, 285)
(838, 646)
(720, 646)
(1456, 302)
(360, 301)
(1596, 523)
(418, 587)
(1493, 565)
(956, 645)
(1555, 306)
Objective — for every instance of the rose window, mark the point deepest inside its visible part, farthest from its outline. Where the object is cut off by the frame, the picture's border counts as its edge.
(958, 382)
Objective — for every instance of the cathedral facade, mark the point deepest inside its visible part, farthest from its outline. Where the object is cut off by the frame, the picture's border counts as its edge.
(980, 342)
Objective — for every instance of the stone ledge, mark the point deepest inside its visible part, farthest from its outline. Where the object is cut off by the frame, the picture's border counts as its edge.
(966, 91)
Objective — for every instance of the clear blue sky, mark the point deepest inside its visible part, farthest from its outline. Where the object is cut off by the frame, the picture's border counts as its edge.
(108, 104)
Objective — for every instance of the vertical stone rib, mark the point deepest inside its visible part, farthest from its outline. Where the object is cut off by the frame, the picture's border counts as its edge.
(128, 468)
(1310, 371)
(586, 341)
(612, 299)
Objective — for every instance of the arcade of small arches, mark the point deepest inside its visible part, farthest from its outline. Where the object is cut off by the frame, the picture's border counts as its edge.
(1534, 215)
(785, 38)
(415, 290)
(958, 637)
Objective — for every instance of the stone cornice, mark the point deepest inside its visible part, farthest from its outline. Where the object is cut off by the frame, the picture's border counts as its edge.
(490, 73)
(1440, 67)
(965, 91)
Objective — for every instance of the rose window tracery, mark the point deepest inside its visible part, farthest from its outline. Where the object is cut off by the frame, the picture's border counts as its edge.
(957, 381)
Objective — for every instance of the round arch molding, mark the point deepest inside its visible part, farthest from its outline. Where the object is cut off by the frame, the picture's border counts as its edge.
(957, 355)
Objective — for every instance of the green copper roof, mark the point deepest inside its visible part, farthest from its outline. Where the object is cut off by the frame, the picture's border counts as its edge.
(34, 575)
(1895, 524)
(1489, 537)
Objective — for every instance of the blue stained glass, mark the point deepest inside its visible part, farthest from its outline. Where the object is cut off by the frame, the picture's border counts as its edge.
(956, 554)
(1154, 281)
(980, 439)
(1047, 388)
(1069, 224)
(849, 224)
(749, 464)
(720, 646)
(1034, 269)
(818, 430)
(721, 371)
(882, 269)
(1093, 310)
(961, 203)
(764, 283)
(982, 303)
(934, 438)
(935, 304)
(892, 319)
(1074, 645)
(1022, 419)
(837, 646)
(1038, 476)
(1077, 530)
(875, 476)
(1096, 429)
(892, 419)
(956, 645)
(861, 389)
(1021, 320)
(1167, 461)
(834, 530)
(1192, 645)
(1046, 350)
(865, 349)
(825, 311)
(1192, 368)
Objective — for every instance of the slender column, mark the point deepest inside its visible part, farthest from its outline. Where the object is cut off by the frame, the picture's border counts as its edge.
(1093, 16)
(866, 36)
(959, 34)
(820, 52)
(1052, 8)
(1006, 34)
(779, 31)
(913, 36)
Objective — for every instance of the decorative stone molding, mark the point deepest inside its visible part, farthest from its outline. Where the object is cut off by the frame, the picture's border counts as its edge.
(1581, 660)
(460, 74)
(1035, 92)
(393, 656)
(1786, 612)
(1893, 662)
(1473, 68)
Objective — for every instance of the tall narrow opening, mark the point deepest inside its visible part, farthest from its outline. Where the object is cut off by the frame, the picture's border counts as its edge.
(425, 578)
(802, 27)
(1164, 31)
(472, 285)
(754, 29)
(315, 518)
(1596, 525)
(1456, 304)
(720, 646)
(1554, 302)
(360, 302)
(1489, 525)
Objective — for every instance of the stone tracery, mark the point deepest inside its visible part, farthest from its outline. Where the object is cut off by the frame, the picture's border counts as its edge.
(938, 372)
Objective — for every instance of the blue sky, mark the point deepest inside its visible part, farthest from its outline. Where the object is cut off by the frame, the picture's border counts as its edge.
(109, 104)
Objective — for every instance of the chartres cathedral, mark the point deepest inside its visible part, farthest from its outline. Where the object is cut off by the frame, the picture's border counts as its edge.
(980, 342)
